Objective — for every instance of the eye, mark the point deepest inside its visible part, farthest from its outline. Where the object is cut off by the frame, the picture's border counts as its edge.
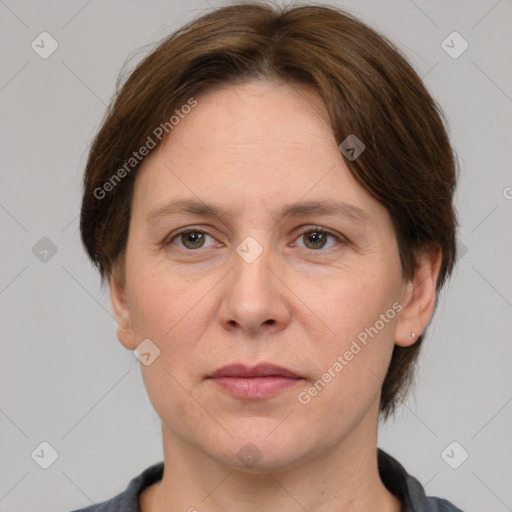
(318, 238)
(190, 239)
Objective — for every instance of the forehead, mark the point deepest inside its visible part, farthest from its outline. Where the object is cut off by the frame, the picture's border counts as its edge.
(259, 143)
(249, 120)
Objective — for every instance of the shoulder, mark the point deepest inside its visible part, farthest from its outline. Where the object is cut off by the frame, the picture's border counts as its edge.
(422, 503)
(128, 500)
(409, 489)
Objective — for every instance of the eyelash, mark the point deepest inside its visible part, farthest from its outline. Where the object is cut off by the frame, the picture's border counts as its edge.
(318, 229)
(305, 230)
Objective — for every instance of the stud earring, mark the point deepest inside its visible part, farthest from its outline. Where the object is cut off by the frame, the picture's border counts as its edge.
(413, 335)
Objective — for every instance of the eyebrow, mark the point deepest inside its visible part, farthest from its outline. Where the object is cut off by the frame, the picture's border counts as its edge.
(202, 209)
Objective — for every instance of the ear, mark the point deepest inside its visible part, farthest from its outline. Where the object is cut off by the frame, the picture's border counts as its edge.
(121, 308)
(419, 299)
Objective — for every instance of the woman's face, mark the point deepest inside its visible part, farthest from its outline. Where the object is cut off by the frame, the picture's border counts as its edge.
(250, 244)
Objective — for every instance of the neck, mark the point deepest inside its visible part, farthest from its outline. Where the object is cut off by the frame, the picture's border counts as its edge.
(345, 478)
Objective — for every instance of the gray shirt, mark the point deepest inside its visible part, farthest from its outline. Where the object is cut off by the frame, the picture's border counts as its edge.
(392, 473)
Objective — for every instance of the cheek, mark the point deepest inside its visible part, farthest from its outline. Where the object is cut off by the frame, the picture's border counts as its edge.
(160, 299)
(168, 309)
(358, 314)
(351, 302)
(173, 311)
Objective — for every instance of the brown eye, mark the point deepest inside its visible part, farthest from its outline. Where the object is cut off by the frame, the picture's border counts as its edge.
(315, 239)
(193, 239)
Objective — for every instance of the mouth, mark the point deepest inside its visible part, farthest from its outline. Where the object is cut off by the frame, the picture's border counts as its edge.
(253, 383)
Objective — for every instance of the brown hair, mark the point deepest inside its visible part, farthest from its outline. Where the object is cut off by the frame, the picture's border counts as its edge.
(368, 90)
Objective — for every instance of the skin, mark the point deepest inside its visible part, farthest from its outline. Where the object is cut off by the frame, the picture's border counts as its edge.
(251, 149)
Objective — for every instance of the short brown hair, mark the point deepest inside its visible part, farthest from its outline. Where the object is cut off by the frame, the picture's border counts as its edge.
(368, 89)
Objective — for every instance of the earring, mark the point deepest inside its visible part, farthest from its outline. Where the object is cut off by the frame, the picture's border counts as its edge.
(413, 335)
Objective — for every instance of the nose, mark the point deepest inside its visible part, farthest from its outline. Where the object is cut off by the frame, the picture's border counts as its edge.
(255, 299)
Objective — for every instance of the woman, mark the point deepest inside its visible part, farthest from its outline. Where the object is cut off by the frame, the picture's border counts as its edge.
(270, 201)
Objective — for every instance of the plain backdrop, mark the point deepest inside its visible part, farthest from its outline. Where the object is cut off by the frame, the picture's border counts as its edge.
(67, 381)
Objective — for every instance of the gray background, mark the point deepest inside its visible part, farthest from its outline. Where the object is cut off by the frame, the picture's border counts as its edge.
(65, 378)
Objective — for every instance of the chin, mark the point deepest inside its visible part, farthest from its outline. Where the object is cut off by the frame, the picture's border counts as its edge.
(262, 444)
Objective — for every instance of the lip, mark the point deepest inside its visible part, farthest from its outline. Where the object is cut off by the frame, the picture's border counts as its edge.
(253, 383)
(239, 370)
